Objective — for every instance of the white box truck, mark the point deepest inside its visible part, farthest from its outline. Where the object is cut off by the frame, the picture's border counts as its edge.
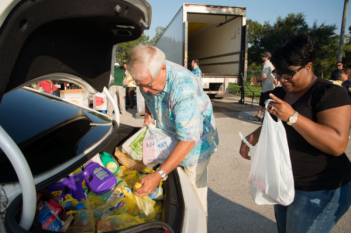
(216, 36)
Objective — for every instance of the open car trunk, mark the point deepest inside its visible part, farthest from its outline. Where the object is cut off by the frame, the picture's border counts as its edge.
(65, 36)
(55, 135)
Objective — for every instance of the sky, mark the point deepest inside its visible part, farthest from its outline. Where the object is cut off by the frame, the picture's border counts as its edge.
(321, 11)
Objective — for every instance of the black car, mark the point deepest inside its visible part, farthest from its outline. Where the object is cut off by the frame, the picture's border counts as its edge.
(43, 138)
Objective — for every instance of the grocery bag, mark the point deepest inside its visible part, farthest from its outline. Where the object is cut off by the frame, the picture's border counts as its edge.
(134, 145)
(271, 178)
(157, 145)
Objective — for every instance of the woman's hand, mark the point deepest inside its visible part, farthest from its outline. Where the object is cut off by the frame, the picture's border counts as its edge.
(280, 108)
(244, 149)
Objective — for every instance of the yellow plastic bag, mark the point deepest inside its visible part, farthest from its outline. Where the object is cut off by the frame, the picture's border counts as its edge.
(132, 177)
(146, 171)
(118, 222)
(83, 220)
(95, 201)
(156, 195)
(113, 207)
(140, 206)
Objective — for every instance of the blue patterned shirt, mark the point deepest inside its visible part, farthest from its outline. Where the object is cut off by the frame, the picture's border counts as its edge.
(183, 110)
(197, 72)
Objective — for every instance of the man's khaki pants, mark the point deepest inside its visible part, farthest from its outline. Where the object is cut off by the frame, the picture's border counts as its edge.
(198, 177)
(120, 100)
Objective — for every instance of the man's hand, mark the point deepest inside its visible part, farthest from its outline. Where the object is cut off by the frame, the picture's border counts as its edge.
(148, 184)
(148, 119)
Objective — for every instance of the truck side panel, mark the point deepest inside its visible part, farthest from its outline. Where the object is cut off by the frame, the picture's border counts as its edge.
(217, 46)
(172, 40)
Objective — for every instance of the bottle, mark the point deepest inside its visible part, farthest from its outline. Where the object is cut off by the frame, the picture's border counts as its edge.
(77, 184)
(60, 189)
(84, 219)
(109, 162)
(99, 179)
(68, 206)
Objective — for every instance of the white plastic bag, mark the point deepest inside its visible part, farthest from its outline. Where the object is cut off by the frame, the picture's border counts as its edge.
(157, 145)
(140, 102)
(271, 178)
(134, 145)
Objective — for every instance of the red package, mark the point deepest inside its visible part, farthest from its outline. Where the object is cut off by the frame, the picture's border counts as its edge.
(55, 207)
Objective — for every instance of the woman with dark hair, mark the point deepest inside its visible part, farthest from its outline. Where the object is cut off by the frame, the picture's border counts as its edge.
(345, 77)
(316, 115)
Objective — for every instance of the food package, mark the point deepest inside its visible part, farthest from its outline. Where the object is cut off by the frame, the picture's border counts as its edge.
(113, 207)
(128, 161)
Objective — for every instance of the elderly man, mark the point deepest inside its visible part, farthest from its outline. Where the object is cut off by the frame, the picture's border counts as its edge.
(175, 100)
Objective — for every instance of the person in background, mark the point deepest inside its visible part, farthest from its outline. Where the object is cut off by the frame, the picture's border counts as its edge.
(335, 74)
(345, 78)
(267, 80)
(117, 90)
(48, 87)
(175, 99)
(131, 88)
(196, 69)
(316, 115)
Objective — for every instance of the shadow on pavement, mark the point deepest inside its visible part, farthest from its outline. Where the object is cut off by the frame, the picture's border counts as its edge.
(229, 107)
(227, 216)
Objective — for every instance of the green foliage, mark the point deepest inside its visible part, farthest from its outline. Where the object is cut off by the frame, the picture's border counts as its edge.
(327, 44)
(347, 50)
(266, 37)
(159, 32)
(124, 49)
(248, 92)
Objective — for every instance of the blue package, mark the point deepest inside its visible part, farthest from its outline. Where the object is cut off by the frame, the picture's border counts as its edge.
(48, 220)
(154, 196)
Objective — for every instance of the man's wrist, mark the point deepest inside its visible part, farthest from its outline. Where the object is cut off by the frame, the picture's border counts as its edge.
(163, 175)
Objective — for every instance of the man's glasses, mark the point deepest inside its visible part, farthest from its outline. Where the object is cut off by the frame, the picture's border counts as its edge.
(287, 76)
(338, 65)
(148, 85)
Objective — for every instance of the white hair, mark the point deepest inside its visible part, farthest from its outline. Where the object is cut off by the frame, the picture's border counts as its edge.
(144, 57)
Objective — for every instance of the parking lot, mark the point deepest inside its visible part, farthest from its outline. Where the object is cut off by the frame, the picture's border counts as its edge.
(230, 205)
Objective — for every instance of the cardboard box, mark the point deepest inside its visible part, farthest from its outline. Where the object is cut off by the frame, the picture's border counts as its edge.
(76, 96)
(127, 161)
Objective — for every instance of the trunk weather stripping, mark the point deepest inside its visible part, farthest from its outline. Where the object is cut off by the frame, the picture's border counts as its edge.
(25, 177)
(3, 202)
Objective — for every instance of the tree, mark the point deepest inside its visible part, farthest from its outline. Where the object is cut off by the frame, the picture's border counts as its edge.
(326, 44)
(346, 60)
(159, 31)
(290, 25)
(123, 49)
(255, 34)
(266, 37)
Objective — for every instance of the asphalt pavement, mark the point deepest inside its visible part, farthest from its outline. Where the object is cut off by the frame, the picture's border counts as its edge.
(230, 205)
